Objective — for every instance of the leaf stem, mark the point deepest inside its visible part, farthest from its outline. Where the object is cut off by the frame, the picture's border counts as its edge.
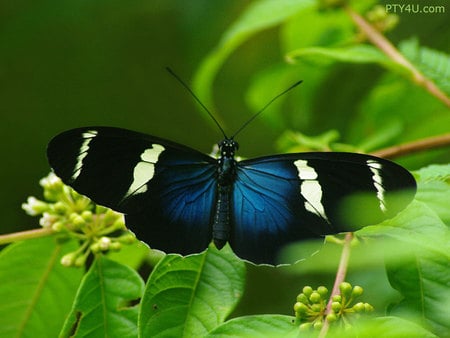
(23, 235)
(340, 277)
(414, 146)
(376, 38)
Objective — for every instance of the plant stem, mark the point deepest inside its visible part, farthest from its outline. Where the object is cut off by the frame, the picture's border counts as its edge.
(388, 48)
(340, 277)
(433, 142)
(23, 235)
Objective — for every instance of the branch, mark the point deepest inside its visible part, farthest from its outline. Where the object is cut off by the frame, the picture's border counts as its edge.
(387, 48)
(23, 235)
(433, 142)
(340, 277)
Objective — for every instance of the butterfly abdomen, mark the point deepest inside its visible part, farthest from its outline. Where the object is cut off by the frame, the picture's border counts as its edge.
(221, 226)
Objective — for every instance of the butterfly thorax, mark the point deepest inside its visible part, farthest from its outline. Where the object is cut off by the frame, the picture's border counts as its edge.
(226, 163)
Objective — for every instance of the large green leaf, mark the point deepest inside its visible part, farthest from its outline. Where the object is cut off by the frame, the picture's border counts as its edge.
(422, 275)
(102, 306)
(258, 326)
(189, 296)
(36, 291)
(258, 16)
(423, 281)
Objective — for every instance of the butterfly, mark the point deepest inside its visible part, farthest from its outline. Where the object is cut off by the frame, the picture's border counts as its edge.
(178, 200)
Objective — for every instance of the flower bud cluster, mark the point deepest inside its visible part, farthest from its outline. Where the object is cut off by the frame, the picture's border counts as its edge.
(311, 306)
(72, 215)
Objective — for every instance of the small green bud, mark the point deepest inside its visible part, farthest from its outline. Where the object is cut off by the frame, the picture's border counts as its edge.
(80, 261)
(48, 220)
(307, 290)
(346, 289)
(35, 207)
(315, 297)
(51, 182)
(336, 307)
(76, 220)
(305, 326)
(104, 243)
(127, 238)
(60, 208)
(69, 259)
(317, 308)
(58, 226)
(115, 246)
(359, 307)
(368, 307)
(323, 291)
(302, 298)
(87, 216)
(337, 298)
(300, 308)
(331, 317)
(95, 248)
(318, 325)
(357, 291)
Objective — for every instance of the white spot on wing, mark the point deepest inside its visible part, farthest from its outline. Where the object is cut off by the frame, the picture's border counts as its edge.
(375, 168)
(310, 188)
(145, 169)
(88, 136)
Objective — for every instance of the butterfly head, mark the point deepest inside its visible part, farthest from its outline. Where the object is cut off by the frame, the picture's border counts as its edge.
(228, 148)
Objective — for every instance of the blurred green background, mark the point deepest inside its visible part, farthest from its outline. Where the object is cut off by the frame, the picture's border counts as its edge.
(66, 64)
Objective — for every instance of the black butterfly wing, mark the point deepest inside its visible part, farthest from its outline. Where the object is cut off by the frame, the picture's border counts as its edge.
(286, 198)
(167, 191)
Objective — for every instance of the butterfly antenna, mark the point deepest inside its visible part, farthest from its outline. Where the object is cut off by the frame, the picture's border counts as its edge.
(264, 108)
(196, 98)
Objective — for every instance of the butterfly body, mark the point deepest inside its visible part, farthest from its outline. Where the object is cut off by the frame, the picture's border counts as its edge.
(177, 199)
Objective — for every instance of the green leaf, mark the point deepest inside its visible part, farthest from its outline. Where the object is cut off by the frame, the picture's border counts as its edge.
(432, 63)
(351, 54)
(102, 306)
(434, 189)
(422, 275)
(258, 16)
(423, 281)
(387, 327)
(36, 290)
(417, 225)
(258, 326)
(189, 296)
